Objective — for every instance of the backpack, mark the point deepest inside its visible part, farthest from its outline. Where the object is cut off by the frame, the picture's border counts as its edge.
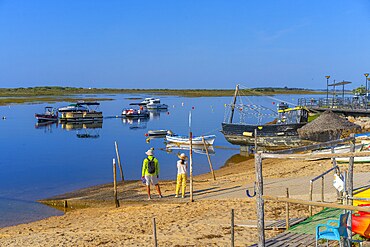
(151, 166)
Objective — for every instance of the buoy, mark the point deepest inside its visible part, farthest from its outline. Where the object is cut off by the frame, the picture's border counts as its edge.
(168, 113)
(192, 107)
(146, 134)
(182, 104)
(4, 117)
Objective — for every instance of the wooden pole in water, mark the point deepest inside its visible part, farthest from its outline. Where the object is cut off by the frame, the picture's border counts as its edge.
(232, 228)
(155, 233)
(191, 165)
(115, 184)
(119, 162)
(209, 159)
(259, 200)
(287, 210)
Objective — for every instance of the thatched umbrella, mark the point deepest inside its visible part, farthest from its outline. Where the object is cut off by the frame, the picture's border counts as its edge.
(327, 127)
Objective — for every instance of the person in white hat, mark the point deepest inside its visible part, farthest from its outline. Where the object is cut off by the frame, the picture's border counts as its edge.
(150, 171)
(182, 167)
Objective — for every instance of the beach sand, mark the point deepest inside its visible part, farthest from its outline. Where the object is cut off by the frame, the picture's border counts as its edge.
(204, 222)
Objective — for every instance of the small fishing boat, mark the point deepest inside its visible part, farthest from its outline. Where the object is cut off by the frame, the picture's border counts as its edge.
(196, 140)
(135, 113)
(50, 115)
(339, 149)
(157, 133)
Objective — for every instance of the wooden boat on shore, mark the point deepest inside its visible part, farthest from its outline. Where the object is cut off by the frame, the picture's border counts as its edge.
(80, 112)
(50, 115)
(280, 133)
(196, 140)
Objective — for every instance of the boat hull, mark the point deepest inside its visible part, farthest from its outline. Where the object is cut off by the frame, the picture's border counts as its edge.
(46, 118)
(268, 135)
(81, 116)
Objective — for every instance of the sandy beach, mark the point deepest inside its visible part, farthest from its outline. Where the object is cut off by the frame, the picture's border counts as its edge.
(94, 220)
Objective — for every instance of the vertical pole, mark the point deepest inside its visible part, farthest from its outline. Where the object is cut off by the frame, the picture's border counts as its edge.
(232, 228)
(209, 159)
(259, 199)
(350, 186)
(233, 105)
(310, 195)
(287, 211)
(334, 162)
(119, 162)
(255, 141)
(155, 233)
(322, 189)
(191, 166)
(115, 184)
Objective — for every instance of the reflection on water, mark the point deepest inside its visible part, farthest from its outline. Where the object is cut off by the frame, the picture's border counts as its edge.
(82, 125)
(47, 126)
(200, 149)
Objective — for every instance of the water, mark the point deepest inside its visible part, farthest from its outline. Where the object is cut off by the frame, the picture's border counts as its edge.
(42, 161)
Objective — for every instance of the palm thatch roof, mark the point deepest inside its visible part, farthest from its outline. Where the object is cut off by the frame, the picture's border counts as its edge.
(327, 127)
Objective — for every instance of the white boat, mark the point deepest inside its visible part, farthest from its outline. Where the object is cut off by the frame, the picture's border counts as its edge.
(157, 105)
(196, 140)
(339, 149)
(364, 159)
(157, 132)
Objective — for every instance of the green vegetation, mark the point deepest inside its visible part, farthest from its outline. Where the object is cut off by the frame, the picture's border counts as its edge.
(55, 93)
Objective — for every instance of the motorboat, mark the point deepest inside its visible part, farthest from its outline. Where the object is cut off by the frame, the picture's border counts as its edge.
(157, 133)
(156, 105)
(81, 111)
(50, 115)
(196, 140)
(135, 113)
(73, 108)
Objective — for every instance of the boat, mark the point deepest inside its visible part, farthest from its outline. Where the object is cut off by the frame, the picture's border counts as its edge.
(157, 133)
(73, 108)
(135, 113)
(196, 149)
(156, 105)
(50, 115)
(147, 101)
(339, 149)
(196, 140)
(281, 133)
(364, 159)
(81, 111)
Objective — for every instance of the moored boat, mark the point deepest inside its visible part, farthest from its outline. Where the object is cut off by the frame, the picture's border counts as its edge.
(156, 133)
(196, 140)
(196, 149)
(50, 115)
(135, 113)
(81, 111)
(280, 133)
(156, 104)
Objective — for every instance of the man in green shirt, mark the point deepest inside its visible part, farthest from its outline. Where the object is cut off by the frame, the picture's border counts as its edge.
(150, 171)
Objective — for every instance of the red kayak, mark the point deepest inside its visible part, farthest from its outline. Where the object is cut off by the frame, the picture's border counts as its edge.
(361, 223)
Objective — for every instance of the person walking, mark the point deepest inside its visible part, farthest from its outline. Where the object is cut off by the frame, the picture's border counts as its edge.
(150, 171)
(182, 167)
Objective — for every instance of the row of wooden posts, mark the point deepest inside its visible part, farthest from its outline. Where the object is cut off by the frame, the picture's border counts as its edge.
(289, 154)
(116, 201)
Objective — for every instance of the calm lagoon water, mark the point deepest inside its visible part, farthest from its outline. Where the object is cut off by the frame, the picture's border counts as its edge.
(42, 161)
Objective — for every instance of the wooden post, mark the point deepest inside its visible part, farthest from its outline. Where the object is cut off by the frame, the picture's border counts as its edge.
(310, 197)
(232, 227)
(209, 159)
(119, 162)
(350, 187)
(65, 204)
(155, 233)
(191, 166)
(287, 211)
(259, 200)
(115, 184)
(322, 188)
(334, 162)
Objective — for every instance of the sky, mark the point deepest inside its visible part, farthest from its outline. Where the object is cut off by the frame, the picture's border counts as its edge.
(181, 44)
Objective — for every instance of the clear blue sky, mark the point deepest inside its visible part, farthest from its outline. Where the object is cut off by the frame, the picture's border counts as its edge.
(183, 43)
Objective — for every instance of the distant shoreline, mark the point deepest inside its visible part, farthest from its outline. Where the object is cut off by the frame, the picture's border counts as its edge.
(71, 94)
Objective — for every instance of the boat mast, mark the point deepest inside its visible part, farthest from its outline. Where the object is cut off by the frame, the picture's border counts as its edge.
(233, 104)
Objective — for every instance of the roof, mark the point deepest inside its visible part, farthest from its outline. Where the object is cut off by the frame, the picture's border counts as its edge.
(340, 83)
